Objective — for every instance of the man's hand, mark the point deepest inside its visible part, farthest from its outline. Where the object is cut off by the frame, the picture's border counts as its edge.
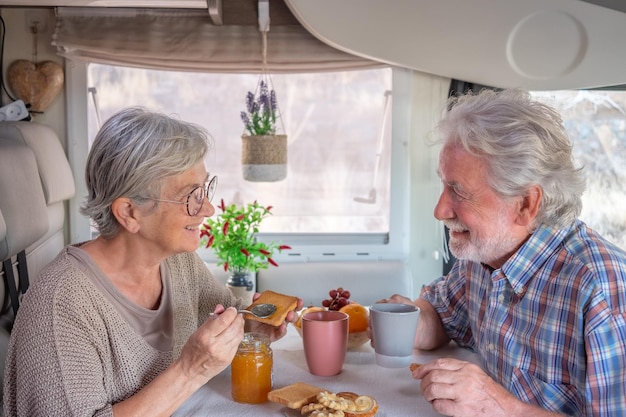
(396, 298)
(458, 388)
(462, 389)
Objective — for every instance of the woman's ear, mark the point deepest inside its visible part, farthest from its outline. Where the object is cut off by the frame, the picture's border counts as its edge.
(125, 212)
(528, 206)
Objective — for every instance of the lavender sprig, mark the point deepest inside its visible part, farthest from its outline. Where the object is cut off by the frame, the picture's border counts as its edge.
(261, 115)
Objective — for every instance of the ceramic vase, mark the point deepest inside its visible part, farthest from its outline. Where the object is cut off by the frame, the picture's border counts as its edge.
(242, 284)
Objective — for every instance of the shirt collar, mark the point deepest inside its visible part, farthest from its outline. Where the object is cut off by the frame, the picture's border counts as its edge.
(532, 255)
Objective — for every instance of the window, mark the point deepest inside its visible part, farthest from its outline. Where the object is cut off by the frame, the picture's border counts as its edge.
(338, 187)
(596, 123)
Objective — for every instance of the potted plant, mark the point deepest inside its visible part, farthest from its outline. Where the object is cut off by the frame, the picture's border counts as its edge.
(264, 152)
(232, 236)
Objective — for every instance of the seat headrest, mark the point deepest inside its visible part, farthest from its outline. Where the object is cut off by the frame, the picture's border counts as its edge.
(54, 169)
(22, 202)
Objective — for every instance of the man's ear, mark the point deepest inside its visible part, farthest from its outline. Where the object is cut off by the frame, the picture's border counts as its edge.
(125, 212)
(529, 205)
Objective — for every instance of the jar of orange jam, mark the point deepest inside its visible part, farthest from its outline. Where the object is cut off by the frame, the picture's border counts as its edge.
(251, 369)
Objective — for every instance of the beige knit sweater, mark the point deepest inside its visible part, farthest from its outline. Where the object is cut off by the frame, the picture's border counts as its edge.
(72, 354)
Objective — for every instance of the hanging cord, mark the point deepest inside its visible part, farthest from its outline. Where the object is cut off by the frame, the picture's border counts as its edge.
(265, 76)
(2, 84)
(264, 50)
(35, 30)
(264, 27)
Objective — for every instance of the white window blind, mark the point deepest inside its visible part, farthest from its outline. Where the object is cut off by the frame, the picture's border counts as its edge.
(187, 40)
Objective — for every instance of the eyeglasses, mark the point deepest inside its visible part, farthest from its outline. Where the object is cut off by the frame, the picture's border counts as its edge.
(195, 199)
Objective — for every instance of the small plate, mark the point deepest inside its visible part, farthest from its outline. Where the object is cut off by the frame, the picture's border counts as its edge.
(290, 412)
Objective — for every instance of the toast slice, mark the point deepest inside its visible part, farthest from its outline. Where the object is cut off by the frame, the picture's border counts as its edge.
(284, 304)
(414, 365)
(294, 395)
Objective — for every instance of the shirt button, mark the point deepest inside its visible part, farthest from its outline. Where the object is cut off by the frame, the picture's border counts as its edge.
(491, 347)
(501, 298)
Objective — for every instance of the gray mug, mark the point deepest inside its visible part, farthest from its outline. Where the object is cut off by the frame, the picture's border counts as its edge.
(393, 333)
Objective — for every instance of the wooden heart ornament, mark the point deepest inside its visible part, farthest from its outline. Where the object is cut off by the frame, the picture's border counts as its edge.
(35, 84)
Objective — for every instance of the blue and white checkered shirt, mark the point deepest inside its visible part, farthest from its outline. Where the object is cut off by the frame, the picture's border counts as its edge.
(550, 325)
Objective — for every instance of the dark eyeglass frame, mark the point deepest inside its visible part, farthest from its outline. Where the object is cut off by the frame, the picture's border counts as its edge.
(206, 191)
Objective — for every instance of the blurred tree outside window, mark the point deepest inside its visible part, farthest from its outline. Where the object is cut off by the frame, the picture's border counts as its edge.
(596, 123)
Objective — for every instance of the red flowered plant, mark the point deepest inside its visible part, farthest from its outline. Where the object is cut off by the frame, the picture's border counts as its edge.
(232, 236)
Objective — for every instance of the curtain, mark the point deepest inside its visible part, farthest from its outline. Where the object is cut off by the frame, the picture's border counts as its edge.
(187, 40)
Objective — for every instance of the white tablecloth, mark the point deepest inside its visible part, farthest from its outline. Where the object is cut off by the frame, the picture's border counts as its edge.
(395, 390)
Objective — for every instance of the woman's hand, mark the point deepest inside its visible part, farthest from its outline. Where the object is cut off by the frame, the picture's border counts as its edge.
(208, 351)
(211, 348)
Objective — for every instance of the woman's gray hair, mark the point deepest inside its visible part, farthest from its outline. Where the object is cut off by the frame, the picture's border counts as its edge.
(131, 155)
(524, 143)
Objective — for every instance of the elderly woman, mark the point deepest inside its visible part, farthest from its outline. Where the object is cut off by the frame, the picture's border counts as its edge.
(121, 324)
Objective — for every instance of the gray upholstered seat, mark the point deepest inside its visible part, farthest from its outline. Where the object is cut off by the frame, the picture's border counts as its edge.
(35, 182)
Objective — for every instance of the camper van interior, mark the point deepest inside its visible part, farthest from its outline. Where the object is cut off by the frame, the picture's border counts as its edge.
(360, 85)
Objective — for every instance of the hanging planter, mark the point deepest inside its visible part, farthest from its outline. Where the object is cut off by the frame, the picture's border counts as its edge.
(264, 152)
(264, 157)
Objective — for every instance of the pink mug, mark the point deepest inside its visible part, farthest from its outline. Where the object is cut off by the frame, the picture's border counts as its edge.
(325, 338)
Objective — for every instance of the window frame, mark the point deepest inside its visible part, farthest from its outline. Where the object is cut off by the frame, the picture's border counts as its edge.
(305, 247)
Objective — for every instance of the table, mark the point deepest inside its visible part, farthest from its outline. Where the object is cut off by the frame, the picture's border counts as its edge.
(397, 393)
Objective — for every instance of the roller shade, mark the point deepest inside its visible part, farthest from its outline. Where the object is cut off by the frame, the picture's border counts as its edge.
(188, 40)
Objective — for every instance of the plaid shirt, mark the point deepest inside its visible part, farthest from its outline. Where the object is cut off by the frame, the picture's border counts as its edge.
(550, 325)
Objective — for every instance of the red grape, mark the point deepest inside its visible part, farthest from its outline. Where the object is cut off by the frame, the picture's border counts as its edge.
(338, 298)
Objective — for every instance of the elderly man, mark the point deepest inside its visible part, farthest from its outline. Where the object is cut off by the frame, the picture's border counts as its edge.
(537, 294)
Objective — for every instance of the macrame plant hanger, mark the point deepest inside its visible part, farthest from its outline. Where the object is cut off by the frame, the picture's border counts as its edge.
(265, 76)
(264, 155)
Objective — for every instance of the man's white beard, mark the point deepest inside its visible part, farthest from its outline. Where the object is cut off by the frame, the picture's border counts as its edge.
(480, 248)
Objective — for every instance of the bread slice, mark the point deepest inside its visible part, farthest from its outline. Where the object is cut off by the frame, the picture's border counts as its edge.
(414, 365)
(294, 395)
(284, 304)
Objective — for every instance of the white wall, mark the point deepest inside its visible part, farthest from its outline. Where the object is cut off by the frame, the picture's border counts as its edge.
(18, 44)
(425, 258)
